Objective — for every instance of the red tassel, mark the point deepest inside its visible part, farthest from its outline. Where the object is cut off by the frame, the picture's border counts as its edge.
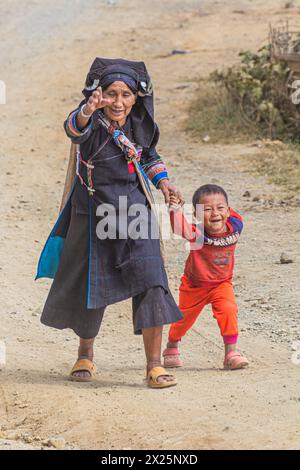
(131, 168)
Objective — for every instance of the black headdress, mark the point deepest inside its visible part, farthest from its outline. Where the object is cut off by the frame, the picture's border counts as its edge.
(104, 71)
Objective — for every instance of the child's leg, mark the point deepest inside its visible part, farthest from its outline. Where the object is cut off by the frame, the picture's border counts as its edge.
(226, 313)
(177, 331)
(191, 302)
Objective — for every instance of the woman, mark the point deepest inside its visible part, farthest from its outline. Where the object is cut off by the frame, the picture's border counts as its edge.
(90, 268)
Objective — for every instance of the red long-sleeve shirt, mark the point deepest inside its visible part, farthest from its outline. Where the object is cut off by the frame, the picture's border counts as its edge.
(211, 259)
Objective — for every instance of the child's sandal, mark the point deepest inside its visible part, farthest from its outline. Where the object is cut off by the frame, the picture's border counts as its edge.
(234, 360)
(171, 358)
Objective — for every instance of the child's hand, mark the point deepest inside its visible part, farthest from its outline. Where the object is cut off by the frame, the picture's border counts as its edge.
(174, 203)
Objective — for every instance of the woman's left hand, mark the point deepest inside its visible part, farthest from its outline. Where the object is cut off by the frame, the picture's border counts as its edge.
(168, 189)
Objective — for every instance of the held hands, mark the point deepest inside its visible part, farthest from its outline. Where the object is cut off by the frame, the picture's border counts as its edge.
(174, 204)
(172, 195)
(96, 101)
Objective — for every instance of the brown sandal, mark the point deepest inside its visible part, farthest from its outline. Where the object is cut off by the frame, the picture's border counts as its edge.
(83, 365)
(157, 372)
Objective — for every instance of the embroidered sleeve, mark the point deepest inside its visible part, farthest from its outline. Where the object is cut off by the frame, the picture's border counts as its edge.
(77, 136)
(152, 163)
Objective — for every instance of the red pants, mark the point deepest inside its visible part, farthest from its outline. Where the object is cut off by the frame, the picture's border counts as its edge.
(193, 299)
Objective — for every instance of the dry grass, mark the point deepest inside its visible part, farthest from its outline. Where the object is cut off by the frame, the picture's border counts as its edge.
(280, 163)
(215, 114)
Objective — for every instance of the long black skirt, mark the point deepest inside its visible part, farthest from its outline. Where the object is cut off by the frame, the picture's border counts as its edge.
(66, 304)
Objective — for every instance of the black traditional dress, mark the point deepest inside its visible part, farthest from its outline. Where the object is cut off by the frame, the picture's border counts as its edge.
(90, 272)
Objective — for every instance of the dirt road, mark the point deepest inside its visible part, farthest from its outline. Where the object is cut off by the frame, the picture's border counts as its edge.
(45, 51)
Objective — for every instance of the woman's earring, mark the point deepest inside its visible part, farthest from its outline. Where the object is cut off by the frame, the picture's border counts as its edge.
(94, 85)
(145, 89)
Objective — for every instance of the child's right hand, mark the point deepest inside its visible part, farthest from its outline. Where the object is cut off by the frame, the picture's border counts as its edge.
(96, 101)
(174, 203)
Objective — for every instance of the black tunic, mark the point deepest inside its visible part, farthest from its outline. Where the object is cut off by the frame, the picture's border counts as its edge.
(119, 268)
(94, 273)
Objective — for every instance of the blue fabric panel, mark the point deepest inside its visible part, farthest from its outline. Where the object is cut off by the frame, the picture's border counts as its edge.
(50, 257)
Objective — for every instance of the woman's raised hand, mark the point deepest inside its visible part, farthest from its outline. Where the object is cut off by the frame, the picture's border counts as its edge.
(96, 101)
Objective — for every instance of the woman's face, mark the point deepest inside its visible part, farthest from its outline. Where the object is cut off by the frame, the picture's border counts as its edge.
(122, 100)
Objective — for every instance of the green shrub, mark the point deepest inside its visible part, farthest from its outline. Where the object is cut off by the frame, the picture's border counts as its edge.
(250, 98)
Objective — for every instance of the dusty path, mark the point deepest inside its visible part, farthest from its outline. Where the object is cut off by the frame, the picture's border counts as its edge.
(44, 56)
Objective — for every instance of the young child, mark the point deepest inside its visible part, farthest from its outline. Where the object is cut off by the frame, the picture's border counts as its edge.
(208, 271)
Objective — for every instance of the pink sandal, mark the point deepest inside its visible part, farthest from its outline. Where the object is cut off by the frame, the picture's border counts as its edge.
(234, 360)
(171, 358)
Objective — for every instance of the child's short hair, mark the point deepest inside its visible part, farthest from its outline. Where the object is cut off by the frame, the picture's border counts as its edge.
(208, 189)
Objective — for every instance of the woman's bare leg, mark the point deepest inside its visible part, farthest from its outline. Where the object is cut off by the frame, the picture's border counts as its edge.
(152, 342)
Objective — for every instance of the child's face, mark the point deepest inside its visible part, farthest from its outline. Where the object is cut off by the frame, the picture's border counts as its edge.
(216, 212)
